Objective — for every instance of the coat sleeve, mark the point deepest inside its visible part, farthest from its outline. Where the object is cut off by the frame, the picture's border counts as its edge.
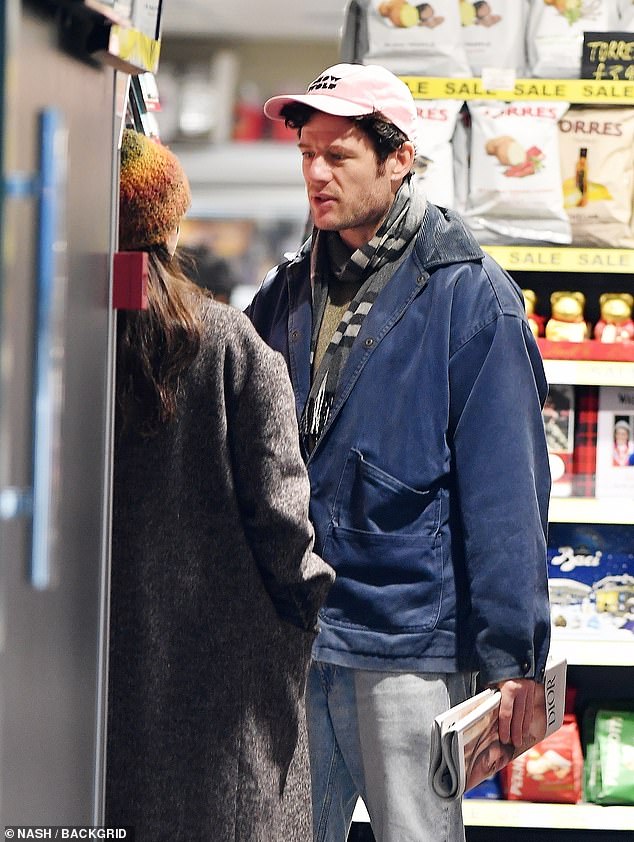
(272, 483)
(503, 484)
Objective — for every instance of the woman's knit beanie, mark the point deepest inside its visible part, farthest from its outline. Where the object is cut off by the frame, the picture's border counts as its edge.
(154, 192)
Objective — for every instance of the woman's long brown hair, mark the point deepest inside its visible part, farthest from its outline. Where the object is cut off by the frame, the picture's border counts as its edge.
(155, 346)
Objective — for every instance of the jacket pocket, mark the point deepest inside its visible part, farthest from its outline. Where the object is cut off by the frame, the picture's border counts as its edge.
(390, 583)
(371, 500)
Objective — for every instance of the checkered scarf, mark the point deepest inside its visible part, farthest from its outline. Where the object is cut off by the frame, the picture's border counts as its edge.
(372, 266)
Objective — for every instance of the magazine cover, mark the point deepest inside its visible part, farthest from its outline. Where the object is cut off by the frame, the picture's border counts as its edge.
(615, 443)
(559, 423)
(465, 744)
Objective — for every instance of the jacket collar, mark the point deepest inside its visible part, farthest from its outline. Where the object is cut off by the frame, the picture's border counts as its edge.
(443, 239)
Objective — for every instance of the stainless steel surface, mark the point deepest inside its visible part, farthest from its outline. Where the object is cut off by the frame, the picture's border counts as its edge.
(52, 640)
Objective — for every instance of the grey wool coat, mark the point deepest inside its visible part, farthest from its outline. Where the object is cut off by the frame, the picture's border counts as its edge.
(214, 599)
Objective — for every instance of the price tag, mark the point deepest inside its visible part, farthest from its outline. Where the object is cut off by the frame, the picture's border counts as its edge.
(498, 79)
(608, 56)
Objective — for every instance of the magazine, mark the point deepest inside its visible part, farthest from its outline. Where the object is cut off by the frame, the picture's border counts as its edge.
(465, 746)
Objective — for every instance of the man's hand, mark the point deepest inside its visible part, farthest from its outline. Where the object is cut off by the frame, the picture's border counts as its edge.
(516, 710)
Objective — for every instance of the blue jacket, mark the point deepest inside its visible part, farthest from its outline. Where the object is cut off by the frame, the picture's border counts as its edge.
(430, 484)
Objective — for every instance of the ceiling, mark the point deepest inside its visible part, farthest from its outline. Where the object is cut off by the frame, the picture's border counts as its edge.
(251, 19)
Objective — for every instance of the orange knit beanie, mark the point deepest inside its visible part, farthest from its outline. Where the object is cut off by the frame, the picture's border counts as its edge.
(154, 192)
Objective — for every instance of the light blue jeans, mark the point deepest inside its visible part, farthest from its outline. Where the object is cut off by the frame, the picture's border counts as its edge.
(369, 736)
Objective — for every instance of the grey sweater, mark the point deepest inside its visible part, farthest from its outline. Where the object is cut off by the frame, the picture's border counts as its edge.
(215, 593)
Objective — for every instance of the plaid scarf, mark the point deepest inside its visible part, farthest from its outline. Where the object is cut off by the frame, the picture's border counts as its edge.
(372, 266)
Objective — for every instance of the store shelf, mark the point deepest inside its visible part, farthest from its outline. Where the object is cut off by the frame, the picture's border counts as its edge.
(587, 351)
(591, 651)
(590, 372)
(566, 90)
(126, 49)
(591, 510)
(483, 813)
(562, 259)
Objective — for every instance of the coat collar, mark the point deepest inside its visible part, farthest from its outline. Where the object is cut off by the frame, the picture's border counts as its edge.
(442, 240)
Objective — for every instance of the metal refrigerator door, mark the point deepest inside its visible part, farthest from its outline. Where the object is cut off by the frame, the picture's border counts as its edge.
(56, 330)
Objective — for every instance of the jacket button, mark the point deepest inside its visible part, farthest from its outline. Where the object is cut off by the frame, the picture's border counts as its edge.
(294, 335)
(526, 667)
(369, 342)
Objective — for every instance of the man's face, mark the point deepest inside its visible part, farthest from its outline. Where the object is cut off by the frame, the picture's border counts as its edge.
(348, 190)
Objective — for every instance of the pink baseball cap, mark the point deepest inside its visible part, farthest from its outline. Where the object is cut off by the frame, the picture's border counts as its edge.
(353, 90)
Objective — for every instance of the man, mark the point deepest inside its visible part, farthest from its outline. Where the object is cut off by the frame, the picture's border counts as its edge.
(418, 386)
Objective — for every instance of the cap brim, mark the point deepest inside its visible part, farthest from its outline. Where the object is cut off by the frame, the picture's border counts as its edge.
(327, 104)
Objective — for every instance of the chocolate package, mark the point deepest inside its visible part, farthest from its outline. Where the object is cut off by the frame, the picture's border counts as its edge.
(551, 771)
(591, 581)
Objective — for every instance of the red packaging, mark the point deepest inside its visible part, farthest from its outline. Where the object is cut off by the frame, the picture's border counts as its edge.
(551, 771)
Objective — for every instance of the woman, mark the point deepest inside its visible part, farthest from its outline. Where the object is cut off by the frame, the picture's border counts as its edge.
(215, 589)
(623, 448)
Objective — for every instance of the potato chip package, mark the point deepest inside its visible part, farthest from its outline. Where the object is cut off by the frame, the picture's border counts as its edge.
(408, 38)
(609, 777)
(493, 34)
(515, 192)
(555, 34)
(626, 16)
(551, 771)
(597, 167)
(461, 144)
(433, 166)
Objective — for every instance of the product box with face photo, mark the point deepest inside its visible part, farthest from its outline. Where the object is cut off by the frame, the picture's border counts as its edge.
(615, 443)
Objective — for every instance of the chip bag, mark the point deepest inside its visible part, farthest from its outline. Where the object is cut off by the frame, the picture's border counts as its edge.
(418, 39)
(549, 772)
(626, 16)
(433, 166)
(515, 192)
(555, 34)
(609, 777)
(493, 34)
(597, 168)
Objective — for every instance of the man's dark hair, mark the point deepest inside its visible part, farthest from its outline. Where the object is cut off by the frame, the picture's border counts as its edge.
(384, 136)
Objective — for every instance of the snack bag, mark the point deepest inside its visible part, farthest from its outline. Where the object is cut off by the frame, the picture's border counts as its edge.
(515, 191)
(433, 166)
(493, 34)
(551, 771)
(597, 167)
(610, 759)
(408, 38)
(461, 149)
(626, 16)
(555, 33)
